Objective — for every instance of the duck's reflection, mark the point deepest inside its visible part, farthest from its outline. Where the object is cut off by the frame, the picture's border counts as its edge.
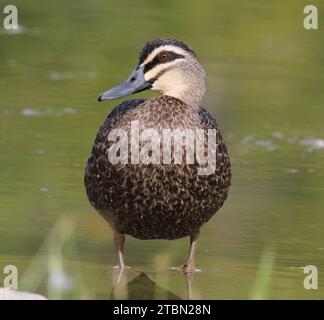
(142, 287)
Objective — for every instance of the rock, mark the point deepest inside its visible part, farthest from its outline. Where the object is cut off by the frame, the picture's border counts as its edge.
(9, 294)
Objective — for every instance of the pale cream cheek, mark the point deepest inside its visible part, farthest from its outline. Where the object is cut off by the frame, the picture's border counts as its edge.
(151, 74)
(171, 83)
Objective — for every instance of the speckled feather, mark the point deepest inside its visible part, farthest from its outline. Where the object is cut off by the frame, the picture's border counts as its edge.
(156, 201)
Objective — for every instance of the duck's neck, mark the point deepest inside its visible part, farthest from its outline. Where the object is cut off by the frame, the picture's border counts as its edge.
(187, 85)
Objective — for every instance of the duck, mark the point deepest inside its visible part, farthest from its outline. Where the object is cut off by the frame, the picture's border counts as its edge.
(152, 199)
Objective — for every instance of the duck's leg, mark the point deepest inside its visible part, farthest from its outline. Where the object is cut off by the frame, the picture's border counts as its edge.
(119, 240)
(119, 290)
(189, 285)
(189, 266)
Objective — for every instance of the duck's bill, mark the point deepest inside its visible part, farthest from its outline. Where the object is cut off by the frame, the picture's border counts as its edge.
(135, 83)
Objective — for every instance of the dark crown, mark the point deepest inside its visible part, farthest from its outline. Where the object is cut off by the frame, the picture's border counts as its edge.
(153, 44)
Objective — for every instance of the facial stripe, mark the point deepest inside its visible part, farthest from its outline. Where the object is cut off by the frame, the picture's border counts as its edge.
(156, 51)
(161, 58)
(158, 75)
(155, 72)
(157, 43)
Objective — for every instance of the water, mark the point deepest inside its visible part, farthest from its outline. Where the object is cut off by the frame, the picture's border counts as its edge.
(265, 86)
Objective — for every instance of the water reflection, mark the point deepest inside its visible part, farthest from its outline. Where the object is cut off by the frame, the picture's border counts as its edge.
(142, 287)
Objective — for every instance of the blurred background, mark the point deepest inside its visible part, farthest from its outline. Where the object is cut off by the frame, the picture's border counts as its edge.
(265, 80)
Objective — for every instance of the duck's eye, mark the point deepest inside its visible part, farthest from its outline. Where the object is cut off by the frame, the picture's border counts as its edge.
(163, 56)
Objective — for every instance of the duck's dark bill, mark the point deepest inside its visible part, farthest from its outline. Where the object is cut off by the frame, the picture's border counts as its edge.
(135, 83)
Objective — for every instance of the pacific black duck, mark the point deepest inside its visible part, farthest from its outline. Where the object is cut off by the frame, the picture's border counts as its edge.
(154, 199)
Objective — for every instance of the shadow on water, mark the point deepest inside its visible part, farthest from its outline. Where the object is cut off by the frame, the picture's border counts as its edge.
(142, 287)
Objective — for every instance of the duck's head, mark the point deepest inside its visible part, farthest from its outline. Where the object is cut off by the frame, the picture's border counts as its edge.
(167, 66)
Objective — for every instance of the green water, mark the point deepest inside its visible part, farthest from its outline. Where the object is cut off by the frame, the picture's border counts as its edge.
(266, 89)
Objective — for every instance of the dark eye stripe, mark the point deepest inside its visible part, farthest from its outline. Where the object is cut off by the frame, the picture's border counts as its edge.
(170, 56)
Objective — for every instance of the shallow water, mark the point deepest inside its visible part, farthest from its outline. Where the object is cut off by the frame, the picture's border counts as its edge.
(265, 87)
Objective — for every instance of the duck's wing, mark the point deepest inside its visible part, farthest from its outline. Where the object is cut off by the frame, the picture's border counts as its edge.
(206, 119)
(118, 112)
(98, 164)
(124, 107)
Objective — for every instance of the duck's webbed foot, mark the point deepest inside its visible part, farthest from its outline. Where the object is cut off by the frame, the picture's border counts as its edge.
(189, 266)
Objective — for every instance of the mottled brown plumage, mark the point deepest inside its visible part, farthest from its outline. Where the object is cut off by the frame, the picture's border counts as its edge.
(156, 201)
